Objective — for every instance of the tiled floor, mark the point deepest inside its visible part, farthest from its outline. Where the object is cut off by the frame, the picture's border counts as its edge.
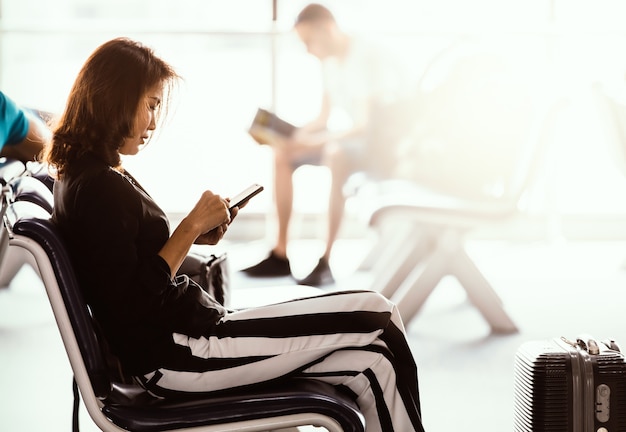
(466, 378)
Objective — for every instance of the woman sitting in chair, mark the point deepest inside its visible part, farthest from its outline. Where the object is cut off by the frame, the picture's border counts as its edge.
(166, 330)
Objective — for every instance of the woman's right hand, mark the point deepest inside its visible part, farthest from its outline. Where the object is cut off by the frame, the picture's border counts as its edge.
(210, 212)
(207, 221)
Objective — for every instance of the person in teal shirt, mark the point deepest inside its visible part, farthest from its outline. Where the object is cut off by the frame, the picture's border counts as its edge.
(22, 135)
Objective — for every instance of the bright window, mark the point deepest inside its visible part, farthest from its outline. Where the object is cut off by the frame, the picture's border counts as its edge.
(235, 58)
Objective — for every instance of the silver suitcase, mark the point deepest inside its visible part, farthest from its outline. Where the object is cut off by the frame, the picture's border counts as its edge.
(570, 386)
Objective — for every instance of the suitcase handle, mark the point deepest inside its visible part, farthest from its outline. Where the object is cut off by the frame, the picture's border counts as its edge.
(587, 343)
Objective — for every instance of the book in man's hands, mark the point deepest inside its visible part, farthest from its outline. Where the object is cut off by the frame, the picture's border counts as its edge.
(267, 127)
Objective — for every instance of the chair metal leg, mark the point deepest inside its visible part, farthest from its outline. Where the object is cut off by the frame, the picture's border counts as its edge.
(10, 261)
(401, 263)
(481, 293)
(372, 257)
(11, 265)
(388, 241)
(419, 284)
(4, 247)
(450, 258)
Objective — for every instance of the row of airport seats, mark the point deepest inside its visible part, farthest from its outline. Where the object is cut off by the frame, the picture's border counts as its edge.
(113, 401)
(21, 182)
(423, 230)
(611, 107)
(17, 180)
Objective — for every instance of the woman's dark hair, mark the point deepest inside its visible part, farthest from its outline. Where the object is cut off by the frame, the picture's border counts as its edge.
(101, 107)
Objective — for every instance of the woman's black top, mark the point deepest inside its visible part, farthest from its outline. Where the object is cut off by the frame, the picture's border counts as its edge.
(114, 231)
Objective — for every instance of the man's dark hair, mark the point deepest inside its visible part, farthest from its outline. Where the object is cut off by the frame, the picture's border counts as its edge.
(314, 13)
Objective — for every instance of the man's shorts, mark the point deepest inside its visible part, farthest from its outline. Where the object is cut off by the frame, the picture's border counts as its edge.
(353, 148)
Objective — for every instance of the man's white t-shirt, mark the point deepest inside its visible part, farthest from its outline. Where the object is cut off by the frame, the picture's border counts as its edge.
(368, 73)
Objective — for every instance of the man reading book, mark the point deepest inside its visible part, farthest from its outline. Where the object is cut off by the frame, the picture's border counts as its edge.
(357, 76)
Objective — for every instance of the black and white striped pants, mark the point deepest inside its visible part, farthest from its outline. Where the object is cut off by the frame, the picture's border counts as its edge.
(355, 339)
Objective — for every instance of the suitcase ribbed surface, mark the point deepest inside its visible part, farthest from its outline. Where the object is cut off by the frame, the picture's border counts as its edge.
(542, 388)
(612, 371)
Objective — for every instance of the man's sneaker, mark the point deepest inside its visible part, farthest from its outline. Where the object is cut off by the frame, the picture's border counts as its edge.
(321, 275)
(272, 266)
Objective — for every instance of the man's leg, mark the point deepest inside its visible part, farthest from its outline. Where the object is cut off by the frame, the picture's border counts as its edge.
(283, 187)
(277, 264)
(340, 165)
(340, 168)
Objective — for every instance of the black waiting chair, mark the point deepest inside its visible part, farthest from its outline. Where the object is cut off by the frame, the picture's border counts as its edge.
(20, 188)
(39, 171)
(9, 169)
(32, 189)
(116, 405)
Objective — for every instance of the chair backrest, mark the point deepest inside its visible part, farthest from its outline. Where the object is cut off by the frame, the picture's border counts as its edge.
(27, 188)
(30, 221)
(39, 170)
(10, 168)
(531, 158)
(613, 114)
(478, 127)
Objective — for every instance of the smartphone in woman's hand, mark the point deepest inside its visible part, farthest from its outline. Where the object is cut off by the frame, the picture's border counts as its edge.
(244, 196)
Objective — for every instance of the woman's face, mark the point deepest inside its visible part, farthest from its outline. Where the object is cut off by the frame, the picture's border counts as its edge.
(145, 121)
